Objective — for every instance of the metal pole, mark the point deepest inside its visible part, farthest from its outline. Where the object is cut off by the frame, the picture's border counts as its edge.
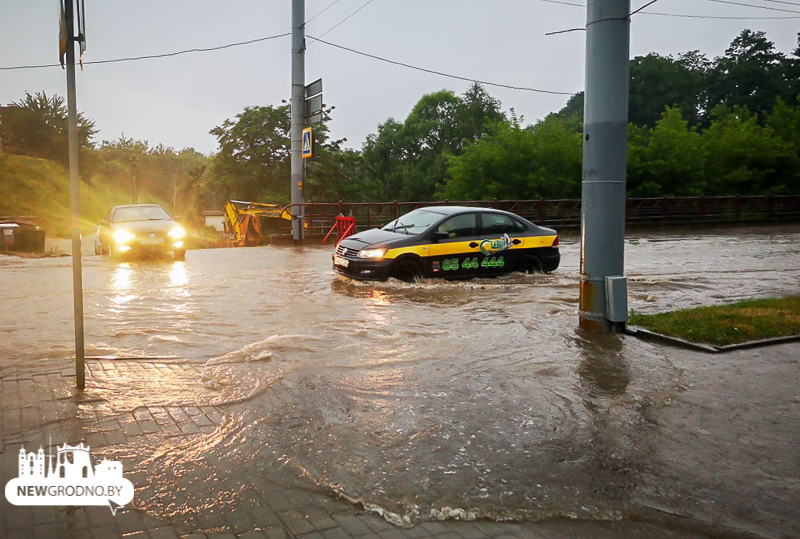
(72, 131)
(604, 157)
(135, 196)
(298, 115)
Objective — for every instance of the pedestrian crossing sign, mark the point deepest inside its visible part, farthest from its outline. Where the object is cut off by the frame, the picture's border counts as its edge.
(308, 143)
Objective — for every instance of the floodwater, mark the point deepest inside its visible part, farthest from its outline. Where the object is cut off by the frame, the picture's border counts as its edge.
(473, 399)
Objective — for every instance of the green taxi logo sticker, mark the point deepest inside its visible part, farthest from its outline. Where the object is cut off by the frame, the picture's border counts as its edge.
(490, 247)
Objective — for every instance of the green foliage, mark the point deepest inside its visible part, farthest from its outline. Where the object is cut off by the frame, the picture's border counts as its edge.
(750, 75)
(254, 158)
(658, 81)
(516, 163)
(37, 125)
(728, 324)
(666, 160)
(162, 174)
(744, 158)
(254, 161)
(410, 160)
(41, 188)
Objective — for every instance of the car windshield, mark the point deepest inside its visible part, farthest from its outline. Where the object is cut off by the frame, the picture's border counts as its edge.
(141, 213)
(416, 222)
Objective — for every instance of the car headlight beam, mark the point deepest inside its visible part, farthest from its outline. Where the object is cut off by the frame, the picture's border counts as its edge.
(177, 233)
(371, 253)
(123, 236)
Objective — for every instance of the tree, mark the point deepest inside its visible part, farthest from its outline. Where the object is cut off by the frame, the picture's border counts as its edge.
(254, 157)
(658, 81)
(38, 124)
(409, 159)
(749, 75)
(741, 157)
(666, 160)
(516, 163)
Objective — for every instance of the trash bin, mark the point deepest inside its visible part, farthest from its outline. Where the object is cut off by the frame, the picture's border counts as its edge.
(6, 238)
(29, 240)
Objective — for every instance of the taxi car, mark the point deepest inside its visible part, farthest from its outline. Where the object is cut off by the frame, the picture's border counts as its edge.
(140, 229)
(452, 242)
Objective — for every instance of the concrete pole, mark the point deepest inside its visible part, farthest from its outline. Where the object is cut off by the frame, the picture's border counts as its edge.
(74, 179)
(604, 157)
(298, 115)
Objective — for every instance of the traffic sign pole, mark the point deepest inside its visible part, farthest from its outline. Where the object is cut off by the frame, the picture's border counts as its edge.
(74, 182)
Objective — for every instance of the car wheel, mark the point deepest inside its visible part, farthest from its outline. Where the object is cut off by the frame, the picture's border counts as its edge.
(407, 271)
(98, 249)
(179, 254)
(530, 265)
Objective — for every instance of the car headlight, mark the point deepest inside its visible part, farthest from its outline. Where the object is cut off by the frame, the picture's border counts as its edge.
(123, 236)
(177, 233)
(371, 253)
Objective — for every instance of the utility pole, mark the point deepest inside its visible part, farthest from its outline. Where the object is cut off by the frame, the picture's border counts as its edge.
(298, 116)
(72, 131)
(603, 296)
(135, 195)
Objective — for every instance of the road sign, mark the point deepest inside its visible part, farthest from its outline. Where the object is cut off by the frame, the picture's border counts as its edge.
(313, 105)
(314, 88)
(308, 143)
(314, 119)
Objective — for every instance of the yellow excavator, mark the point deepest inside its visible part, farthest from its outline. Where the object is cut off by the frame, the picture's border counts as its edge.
(245, 222)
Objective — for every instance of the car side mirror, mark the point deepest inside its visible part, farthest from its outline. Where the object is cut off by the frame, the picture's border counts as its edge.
(439, 235)
(104, 222)
(176, 217)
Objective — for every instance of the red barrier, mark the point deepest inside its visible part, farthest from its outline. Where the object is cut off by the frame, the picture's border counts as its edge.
(344, 226)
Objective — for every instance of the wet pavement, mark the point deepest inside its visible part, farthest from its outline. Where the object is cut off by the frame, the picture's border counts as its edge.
(252, 391)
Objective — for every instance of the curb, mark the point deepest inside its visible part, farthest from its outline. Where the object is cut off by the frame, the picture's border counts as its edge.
(647, 335)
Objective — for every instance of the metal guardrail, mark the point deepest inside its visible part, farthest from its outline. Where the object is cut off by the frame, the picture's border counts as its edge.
(319, 217)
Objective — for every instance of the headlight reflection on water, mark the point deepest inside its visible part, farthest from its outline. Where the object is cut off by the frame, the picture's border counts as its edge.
(177, 274)
(122, 277)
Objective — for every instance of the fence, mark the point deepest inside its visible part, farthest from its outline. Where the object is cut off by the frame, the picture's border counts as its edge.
(566, 213)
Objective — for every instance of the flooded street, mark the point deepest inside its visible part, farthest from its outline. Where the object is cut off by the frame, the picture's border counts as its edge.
(473, 399)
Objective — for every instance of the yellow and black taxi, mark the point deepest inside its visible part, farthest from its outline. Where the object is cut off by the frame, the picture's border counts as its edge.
(452, 242)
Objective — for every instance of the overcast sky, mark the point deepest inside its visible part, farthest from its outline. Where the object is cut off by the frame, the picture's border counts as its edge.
(177, 100)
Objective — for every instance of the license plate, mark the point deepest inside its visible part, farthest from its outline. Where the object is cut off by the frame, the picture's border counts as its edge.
(339, 261)
(152, 241)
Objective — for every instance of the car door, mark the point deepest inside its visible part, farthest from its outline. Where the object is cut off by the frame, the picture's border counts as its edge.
(498, 237)
(455, 255)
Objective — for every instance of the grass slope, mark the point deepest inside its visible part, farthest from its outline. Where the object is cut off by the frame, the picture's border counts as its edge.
(40, 188)
(728, 324)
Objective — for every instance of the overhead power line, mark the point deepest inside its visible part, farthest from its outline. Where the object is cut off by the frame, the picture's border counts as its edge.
(644, 6)
(751, 5)
(323, 11)
(417, 68)
(687, 16)
(328, 31)
(152, 56)
(782, 2)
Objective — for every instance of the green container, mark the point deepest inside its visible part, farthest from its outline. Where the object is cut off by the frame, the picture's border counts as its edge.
(29, 240)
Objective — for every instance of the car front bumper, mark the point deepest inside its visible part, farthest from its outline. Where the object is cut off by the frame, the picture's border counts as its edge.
(363, 269)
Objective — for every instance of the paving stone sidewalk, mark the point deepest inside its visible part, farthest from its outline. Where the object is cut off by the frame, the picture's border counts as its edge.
(40, 405)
